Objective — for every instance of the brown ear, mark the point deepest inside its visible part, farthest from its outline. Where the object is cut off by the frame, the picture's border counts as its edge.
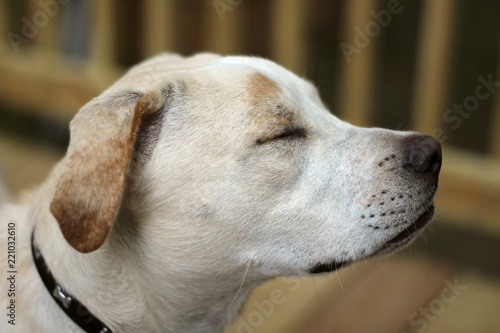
(90, 189)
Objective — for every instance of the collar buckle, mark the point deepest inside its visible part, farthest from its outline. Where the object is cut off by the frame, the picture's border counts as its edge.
(61, 295)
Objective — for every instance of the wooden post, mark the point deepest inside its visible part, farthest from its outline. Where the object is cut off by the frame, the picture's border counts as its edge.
(223, 26)
(4, 25)
(103, 34)
(358, 68)
(495, 129)
(433, 62)
(159, 27)
(46, 41)
(289, 33)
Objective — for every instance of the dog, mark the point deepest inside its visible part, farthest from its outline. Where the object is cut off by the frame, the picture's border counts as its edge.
(192, 180)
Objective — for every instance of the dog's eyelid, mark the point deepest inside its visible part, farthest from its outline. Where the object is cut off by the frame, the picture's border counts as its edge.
(289, 133)
(298, 132)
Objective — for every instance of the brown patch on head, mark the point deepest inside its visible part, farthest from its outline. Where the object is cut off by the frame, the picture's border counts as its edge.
(266, 99)
(89, 191)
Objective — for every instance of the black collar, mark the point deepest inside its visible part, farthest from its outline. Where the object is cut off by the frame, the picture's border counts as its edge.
(70, 305)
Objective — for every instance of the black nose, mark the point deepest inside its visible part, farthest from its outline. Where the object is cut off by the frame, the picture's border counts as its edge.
(425, 154)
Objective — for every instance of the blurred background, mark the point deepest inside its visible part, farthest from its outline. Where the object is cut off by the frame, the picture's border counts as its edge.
(429, 65)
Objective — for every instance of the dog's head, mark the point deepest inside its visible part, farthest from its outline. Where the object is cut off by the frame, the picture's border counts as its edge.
(236, 160)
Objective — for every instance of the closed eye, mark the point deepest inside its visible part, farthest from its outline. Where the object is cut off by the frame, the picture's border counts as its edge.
(289, 134)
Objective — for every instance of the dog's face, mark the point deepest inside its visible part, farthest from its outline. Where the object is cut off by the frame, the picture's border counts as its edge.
(235, 161)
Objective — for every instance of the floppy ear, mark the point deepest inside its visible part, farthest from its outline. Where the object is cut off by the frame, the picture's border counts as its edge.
(89, 191)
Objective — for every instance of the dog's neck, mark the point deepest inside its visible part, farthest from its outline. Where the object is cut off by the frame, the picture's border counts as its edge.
(124, 286)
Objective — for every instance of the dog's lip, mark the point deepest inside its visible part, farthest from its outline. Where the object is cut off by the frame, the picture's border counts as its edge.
(413, 228)
(327, 267)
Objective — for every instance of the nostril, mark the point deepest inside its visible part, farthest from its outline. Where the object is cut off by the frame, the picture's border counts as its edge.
(425, 154)
(435, 162)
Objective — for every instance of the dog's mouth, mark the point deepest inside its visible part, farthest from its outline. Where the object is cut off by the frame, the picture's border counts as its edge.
(411, 231)
(326, 267)
(408, 234)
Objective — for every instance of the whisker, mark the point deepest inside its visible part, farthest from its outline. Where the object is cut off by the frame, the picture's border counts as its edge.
(237, 293)
(340, 282)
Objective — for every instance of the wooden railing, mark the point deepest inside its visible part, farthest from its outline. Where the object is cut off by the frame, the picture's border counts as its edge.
(470, 184)
(41, 78)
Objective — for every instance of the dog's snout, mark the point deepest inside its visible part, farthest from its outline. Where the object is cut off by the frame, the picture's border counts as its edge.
(425, 154)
